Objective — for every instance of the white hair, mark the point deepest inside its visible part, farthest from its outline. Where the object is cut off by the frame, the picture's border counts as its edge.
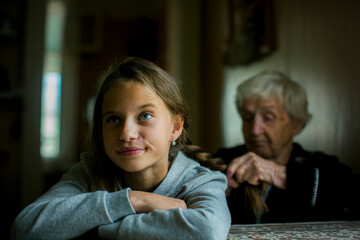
(274, 85)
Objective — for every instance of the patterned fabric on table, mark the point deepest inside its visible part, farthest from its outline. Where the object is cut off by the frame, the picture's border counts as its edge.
(310, 230)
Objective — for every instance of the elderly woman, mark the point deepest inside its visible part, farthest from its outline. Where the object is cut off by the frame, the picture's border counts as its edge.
(273, 179)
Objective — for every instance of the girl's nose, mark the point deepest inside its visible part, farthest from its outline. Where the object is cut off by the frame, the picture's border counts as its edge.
(129, 132)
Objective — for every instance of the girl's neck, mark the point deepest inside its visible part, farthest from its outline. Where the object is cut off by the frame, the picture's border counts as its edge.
(146, 180)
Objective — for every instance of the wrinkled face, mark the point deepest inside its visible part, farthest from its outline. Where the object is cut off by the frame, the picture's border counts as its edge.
(137, 128)
(268, 130)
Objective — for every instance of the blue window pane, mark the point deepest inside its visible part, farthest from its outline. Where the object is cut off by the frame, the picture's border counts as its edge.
(50, 115)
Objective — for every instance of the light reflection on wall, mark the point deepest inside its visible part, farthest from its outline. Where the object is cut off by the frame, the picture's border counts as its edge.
(51, 83)
(50, 115)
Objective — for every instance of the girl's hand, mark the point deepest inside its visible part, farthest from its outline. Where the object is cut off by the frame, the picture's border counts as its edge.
(144, 202)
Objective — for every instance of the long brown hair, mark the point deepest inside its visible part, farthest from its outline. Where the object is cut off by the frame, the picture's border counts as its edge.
(147, 73)
(254, 200)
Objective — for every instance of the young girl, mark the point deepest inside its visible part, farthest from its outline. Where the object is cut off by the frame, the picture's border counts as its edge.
(138, 181)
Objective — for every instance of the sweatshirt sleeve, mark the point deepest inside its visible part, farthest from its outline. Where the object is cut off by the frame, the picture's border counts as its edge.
(207, 216)
(68, 209)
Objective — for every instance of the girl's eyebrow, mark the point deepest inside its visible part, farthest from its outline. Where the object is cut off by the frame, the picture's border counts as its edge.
(151, 105)
(147, 105)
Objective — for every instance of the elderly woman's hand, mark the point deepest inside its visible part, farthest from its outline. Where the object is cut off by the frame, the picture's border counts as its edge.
(253, 169)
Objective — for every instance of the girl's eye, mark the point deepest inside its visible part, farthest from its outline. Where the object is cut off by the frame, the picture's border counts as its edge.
(145, 116)
(113, 119)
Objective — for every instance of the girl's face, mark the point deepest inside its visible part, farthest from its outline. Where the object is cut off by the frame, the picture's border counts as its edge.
(138, 128)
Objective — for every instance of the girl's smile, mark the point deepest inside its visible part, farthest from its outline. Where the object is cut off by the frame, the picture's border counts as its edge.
(130, 151)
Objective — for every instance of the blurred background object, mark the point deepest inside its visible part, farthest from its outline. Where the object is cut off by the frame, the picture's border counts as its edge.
(251, 31)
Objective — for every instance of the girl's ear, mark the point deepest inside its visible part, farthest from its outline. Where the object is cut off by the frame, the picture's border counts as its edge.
(177, 127)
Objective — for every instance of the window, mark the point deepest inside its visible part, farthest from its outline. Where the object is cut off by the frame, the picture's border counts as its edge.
(51, 82)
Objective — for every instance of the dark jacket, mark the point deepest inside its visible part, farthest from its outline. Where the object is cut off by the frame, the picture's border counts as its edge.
(318, 188)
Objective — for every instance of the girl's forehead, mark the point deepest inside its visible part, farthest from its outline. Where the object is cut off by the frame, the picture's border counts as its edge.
(129, 83)
(129, 87)
(125, 95)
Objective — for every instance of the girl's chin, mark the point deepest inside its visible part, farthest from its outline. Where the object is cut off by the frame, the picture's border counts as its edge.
(131, 168)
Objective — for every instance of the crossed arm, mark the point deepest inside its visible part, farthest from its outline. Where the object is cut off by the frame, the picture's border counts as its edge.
(197, 210)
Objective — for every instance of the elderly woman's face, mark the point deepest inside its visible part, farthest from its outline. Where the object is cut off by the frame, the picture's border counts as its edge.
(267, 127)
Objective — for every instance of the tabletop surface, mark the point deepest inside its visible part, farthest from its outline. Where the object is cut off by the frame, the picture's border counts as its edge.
(309, 230)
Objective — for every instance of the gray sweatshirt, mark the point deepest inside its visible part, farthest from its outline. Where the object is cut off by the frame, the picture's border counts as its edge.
(74, 206)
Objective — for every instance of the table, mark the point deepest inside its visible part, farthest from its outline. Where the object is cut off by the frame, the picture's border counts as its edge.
(308, 230)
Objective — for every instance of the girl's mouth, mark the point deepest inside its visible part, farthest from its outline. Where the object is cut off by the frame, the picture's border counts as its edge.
(130, 151)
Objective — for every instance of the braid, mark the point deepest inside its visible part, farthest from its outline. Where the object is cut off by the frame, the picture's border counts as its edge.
(252, 193)
(254, 200)
(205, 159)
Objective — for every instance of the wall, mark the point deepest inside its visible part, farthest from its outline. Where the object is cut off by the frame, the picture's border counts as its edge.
(317, 46)
(212, 32)
(183, 55)
(30, 169)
